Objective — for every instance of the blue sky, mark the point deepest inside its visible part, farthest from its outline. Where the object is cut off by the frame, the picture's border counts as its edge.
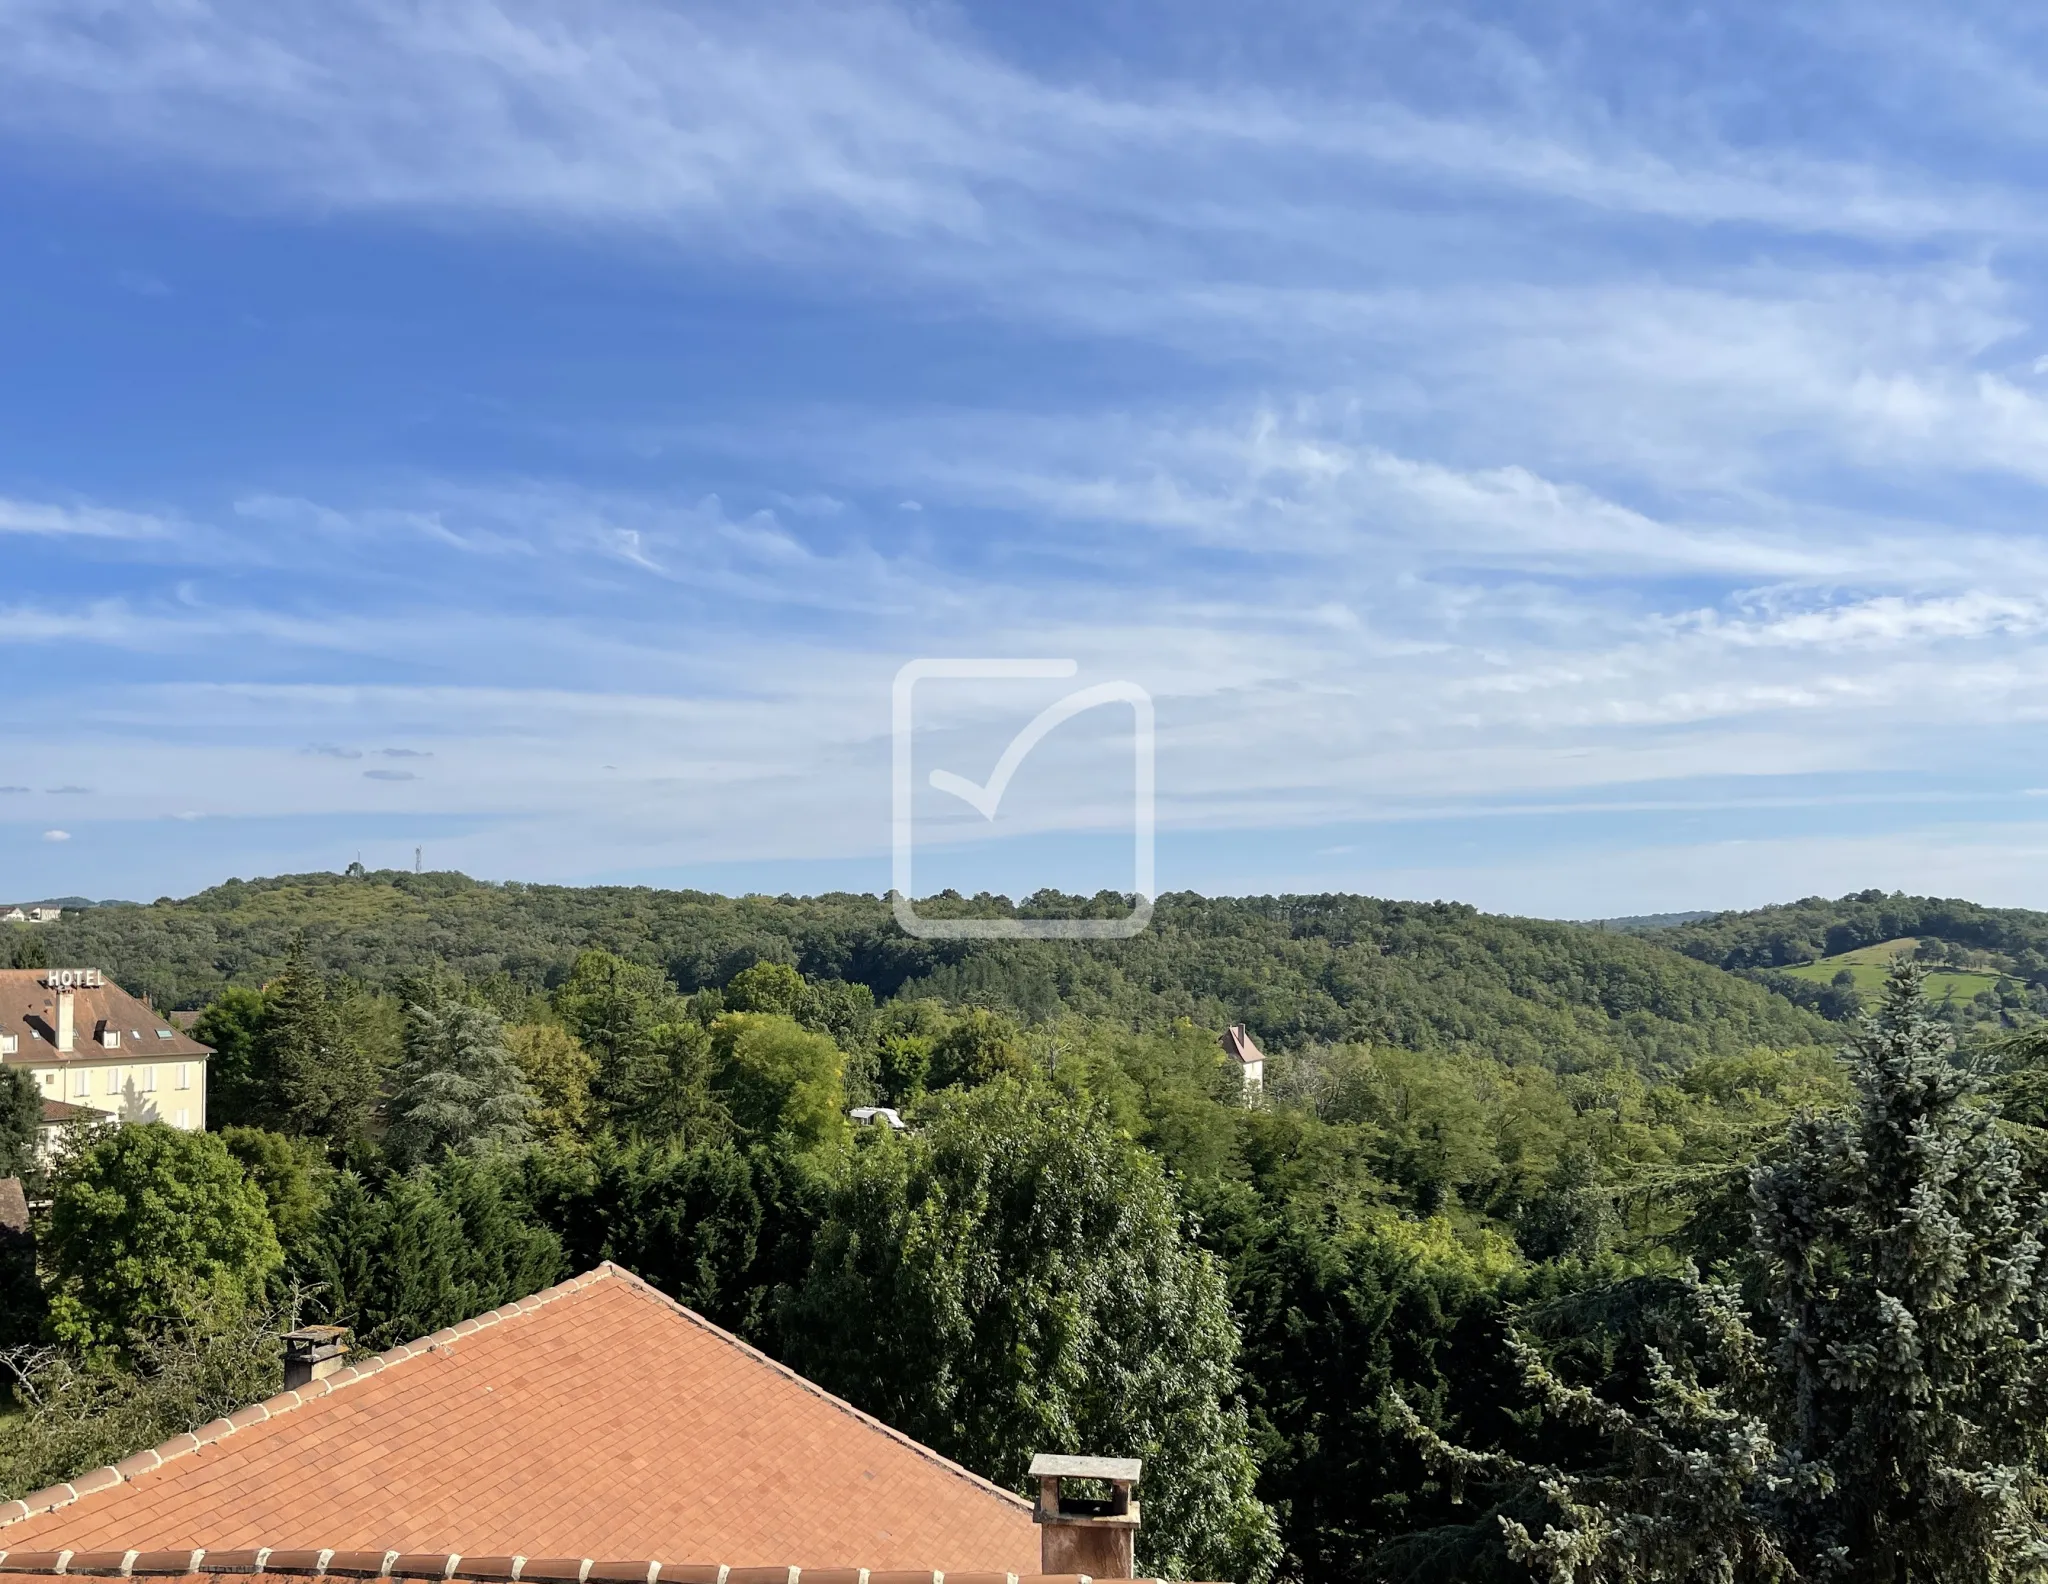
(1580, 460)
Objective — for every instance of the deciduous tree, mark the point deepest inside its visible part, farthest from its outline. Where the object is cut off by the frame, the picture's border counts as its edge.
(326, 1075)
(558, 1071)
(148, 1223)
(21, 1120)
(241, 1085)
(779, 1080)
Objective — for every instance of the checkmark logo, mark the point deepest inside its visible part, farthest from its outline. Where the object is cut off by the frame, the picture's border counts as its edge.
(987, 797)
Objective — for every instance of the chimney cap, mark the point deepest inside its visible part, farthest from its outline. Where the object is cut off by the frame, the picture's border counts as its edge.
(1052, 1465)
(316, 1341)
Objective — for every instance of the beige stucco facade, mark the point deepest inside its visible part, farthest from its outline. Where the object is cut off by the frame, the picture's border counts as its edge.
(131, 1091)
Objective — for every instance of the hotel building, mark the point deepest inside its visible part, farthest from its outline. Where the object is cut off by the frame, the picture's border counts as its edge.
(97, 1051)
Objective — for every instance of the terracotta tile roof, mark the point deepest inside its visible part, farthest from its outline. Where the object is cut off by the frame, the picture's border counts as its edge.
(596, 1419)
(28, 1009)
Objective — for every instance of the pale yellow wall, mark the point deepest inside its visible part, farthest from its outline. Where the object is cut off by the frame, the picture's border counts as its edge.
(139, 1091)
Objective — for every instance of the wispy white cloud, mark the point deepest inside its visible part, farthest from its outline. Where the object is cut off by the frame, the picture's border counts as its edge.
(84, 521)
(769, 124)
(1467, 435)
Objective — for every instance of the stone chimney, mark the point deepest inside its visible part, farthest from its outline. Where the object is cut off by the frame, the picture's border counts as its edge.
(1095, 1535)
(67, 1022)
(312, 1353)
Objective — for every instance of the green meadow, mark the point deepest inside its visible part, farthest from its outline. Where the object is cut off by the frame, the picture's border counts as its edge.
(1868, 964)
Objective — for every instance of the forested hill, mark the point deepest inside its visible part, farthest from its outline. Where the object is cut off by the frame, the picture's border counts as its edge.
(1987, 967)
(1816, 927)
(1299, 970)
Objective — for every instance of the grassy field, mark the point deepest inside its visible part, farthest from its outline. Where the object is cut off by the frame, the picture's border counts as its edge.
(1868, 964)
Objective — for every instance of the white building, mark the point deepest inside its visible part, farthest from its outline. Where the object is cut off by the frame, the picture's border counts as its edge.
(31, 915)
(97, 1050)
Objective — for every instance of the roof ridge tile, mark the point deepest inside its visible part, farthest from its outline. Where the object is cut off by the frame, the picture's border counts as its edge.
(372, 1564)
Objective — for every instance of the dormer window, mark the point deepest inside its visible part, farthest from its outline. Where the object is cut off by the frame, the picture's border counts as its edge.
(9, 1044)
(110, 1038)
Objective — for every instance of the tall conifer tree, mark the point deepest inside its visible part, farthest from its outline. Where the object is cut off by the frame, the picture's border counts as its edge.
(325, 1080)
(459, 1089)
(1890, 1426)
(1907, 1286)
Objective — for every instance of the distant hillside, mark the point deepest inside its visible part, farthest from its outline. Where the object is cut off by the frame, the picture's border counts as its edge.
(1992, 963)
(1644, 923)
(1299, 970)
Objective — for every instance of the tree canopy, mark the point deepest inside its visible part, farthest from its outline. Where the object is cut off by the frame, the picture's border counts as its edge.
(148, 1223)
(1015, 1278)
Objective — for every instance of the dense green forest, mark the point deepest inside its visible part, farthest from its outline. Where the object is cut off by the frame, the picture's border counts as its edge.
(1508, 1272)
(1297, 970)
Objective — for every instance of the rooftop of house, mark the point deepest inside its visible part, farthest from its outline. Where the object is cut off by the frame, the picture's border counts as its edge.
(28, 1010)
(1238, 1042)
(596, 1419)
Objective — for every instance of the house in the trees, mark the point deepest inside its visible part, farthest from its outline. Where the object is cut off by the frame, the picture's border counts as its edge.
(1239, 1045)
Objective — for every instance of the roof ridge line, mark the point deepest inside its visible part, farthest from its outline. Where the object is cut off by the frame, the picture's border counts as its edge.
(52, 1497)
(648, 1290)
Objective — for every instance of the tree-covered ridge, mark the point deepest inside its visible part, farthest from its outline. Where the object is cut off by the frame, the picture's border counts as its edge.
(2008, 944)
(1790, 933)
(1300, 970)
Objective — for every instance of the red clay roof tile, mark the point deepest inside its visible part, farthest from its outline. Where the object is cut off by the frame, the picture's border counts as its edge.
(233, 1561)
